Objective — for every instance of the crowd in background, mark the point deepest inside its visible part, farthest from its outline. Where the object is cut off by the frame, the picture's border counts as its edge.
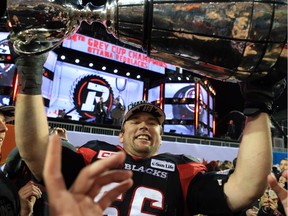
(269, 203)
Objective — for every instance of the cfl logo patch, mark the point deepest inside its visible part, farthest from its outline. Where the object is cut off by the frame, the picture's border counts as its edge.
(104, 154)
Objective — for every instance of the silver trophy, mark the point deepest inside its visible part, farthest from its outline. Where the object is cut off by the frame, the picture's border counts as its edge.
(225, 40)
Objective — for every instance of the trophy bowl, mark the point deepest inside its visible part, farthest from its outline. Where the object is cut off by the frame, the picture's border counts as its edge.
(229, 41)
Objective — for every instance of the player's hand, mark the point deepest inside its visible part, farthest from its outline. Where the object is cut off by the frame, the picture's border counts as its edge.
(30, 70)
(61, 132)
(260, 94)
(79, 199)
(28, 195)
(251, 212)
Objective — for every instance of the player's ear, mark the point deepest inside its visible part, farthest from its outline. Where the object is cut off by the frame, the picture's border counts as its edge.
(120, 137)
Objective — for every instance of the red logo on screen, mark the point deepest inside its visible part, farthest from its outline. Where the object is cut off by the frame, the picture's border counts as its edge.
(87, 93)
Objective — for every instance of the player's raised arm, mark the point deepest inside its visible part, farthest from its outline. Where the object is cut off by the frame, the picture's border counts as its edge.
(254, 161)
(31, 126)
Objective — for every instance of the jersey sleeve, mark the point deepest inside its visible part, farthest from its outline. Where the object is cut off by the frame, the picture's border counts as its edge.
(96, 149)
(206, 194)
(72, 163)
(89, 150)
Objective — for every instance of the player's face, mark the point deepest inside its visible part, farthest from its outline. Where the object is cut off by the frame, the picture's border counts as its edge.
(141, 136)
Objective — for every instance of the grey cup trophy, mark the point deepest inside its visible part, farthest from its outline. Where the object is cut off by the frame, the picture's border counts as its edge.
(225, 40)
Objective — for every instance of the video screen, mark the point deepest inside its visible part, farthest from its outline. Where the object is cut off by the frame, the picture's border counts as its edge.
(154, 94)
(211, 102)
(203, 95)
(202, 130)
(73, 91)
(179, 111)
(179, 90)
(4, 48)
(211, 134)
(204, 115)
(211, 120)
(179, 129)
(7, 72)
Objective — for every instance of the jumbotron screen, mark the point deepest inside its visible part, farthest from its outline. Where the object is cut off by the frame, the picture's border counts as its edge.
(7, 71)
(75, 90)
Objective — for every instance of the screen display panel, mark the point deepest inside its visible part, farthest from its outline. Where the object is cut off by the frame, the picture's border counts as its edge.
(75, 90)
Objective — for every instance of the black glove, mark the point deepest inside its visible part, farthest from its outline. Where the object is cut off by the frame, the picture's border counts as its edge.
(30, 70)
(260, 94)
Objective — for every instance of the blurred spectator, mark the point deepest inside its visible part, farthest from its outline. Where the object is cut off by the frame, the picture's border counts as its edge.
(266, 205)
(17, 195)
(269, 204)
(281, 192)
(226, 165)
(32, 194)
(283, 165)
(101, 111)
(117, 113)
(212, 166)
(282, 182)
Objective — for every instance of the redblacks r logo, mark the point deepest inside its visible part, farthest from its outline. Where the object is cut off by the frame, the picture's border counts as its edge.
(87, 93)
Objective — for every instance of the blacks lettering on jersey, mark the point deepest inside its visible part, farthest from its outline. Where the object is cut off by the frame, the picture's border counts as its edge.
(143, 169)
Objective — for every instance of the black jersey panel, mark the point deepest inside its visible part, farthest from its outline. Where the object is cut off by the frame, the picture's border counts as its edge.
(206, 194)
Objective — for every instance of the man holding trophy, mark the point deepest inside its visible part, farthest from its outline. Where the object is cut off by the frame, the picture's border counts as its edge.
(259, 88)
